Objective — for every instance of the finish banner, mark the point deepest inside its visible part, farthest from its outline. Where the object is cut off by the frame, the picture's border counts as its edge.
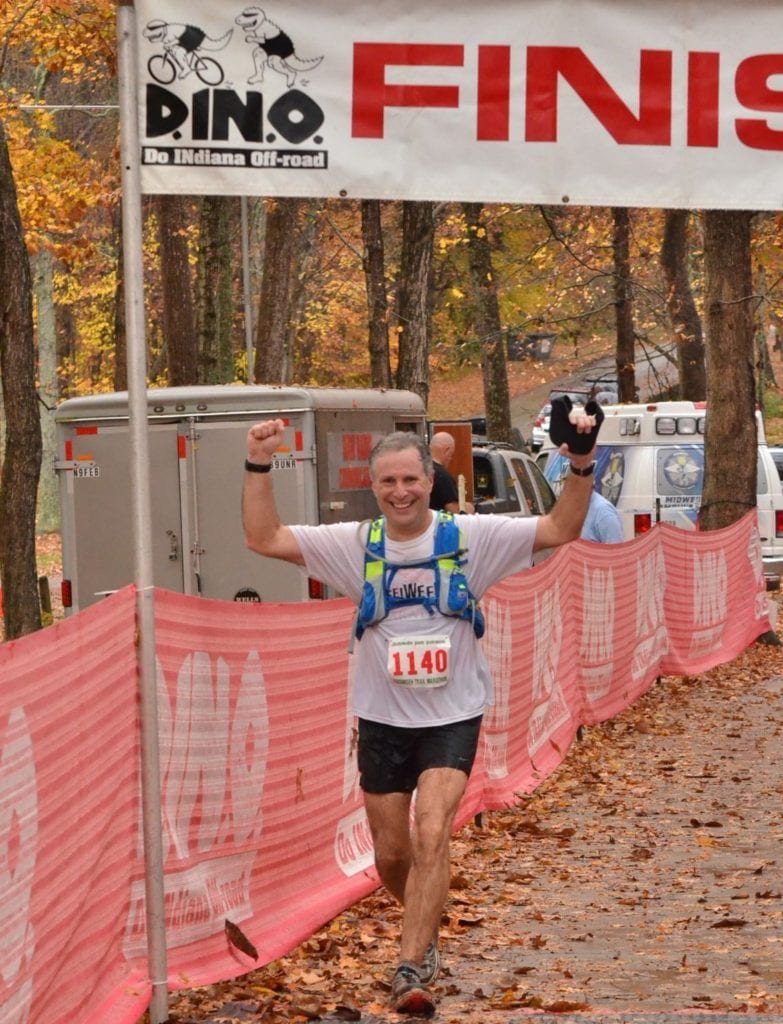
(600, 102)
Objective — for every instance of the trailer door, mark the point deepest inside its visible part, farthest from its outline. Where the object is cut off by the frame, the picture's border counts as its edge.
(98, 545)
(220, 565)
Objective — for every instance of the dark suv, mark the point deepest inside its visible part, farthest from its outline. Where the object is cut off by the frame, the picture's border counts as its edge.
(508, 481)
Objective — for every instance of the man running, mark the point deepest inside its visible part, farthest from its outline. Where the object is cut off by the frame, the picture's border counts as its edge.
(421, 682)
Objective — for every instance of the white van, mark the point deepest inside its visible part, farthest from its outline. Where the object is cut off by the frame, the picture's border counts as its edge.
(650, 465)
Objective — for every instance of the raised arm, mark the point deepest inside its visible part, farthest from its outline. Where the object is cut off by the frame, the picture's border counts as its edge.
(264, 533)
(564, 522)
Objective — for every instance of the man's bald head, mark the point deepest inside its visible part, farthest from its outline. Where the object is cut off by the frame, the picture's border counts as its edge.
(442, 447)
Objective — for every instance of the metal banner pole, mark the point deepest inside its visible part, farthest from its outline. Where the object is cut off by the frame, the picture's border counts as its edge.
(132, 242)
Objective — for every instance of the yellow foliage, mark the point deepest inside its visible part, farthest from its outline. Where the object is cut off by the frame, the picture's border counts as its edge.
(73, 37)
(60, 54)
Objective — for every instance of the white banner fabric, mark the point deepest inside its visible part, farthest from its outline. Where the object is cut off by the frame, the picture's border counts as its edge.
(594, 102)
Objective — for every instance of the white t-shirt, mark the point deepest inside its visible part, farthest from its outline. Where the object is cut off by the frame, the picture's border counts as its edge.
(497, 546)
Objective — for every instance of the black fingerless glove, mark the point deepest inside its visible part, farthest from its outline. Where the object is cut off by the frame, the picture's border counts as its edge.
(563, 431)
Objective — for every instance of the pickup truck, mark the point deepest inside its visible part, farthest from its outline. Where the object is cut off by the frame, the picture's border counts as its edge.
(508, 481)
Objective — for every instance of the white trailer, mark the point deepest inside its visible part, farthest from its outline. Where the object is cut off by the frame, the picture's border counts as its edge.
(197, 451)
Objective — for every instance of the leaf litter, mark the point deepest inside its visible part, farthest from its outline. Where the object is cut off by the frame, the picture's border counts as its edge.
(613, 887)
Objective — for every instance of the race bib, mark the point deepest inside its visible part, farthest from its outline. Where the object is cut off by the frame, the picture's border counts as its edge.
(423, 661)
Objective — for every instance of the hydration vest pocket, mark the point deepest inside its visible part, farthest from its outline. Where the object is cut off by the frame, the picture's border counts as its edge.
(459, 595)
(367, 604)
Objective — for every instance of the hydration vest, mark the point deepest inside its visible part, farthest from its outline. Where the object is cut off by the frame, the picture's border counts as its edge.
(452, 595)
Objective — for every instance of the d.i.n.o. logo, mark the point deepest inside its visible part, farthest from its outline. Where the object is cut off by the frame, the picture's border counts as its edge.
(206, 104)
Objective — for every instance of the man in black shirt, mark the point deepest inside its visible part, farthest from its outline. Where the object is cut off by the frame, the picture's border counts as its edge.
(444, 493)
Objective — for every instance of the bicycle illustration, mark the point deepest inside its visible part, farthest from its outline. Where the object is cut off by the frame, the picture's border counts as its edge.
(164, 69)
(182, 52)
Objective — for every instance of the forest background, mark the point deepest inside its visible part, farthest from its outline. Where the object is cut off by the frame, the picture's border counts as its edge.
(426, 296)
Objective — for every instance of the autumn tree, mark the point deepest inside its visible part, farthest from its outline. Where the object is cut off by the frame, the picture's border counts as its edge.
(179, 314)
(414, 296)
(22, 455)
(304, 260)
(623, 305)
(216, 256)
(767, 254)
(730, 437)
(57, 80)
(486, 311)
(43, 48)
(374, 266)
(685, 319)
(274, 303)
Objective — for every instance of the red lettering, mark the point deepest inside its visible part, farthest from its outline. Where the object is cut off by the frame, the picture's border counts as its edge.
(703, 98)
(753, 91)
(362, 837)
(371, 94)
(494, 93)
(546, 65)
(651, 128)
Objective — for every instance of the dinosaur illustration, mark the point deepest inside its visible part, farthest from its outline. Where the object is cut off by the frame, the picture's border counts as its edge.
(273, 47)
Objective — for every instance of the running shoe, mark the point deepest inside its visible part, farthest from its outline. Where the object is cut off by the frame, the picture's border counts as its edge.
(409, 994)
(430, 964)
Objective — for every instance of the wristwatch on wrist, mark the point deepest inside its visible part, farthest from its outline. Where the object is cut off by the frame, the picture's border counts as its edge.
(258, 467)
(585, 471)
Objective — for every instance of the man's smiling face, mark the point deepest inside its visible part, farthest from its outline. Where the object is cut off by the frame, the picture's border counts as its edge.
(402, 490)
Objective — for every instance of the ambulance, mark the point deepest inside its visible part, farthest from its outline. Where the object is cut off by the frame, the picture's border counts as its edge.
(650, 465)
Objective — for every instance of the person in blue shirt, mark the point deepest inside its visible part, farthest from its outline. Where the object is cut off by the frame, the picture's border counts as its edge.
(602, 522)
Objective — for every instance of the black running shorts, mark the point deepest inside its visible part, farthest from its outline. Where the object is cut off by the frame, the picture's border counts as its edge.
(392, 758)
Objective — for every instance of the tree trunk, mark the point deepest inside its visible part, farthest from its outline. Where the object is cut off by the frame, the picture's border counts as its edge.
(274, 306)
(486, 309)
(623, 305)
(377, 298)
(685, 318)
(216, 299)
(48, 513)
(300, 267)
(730, 437)
(252, 267)
(414, 297)
(22, 457)
(179, 318)
(67, 333)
